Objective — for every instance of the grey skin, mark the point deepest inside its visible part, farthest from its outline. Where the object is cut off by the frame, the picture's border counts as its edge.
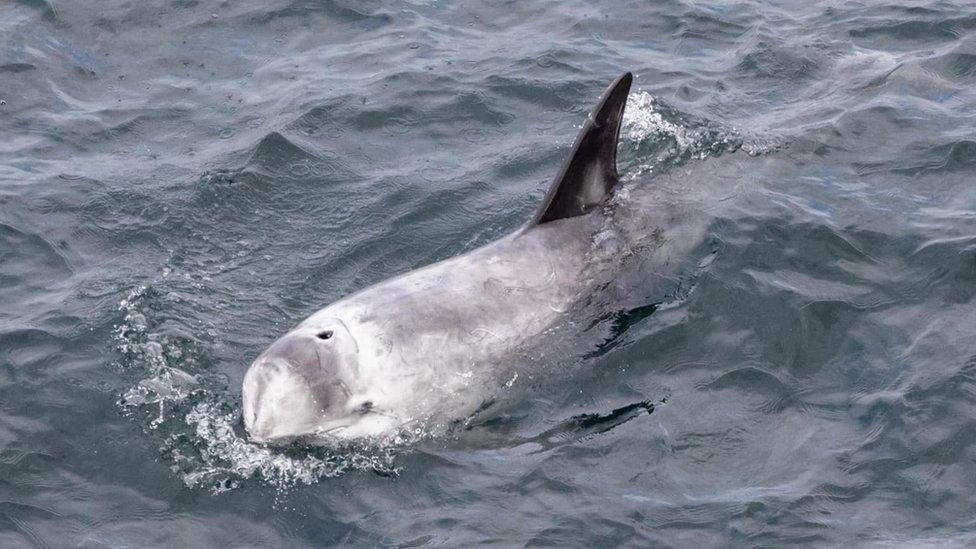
(428, 345)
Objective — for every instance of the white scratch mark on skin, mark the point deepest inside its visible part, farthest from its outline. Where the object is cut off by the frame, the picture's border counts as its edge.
(509, 383)
(484, 331)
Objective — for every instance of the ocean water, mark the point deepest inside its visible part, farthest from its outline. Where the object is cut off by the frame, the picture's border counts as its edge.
(181, 182)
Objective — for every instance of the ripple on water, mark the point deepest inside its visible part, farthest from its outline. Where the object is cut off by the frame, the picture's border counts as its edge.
(819, 373)
(28, 261)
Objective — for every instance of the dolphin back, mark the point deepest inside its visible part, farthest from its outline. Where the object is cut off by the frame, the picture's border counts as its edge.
(587, 177)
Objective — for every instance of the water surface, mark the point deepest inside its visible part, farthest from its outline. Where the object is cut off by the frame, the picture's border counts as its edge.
(182, 182)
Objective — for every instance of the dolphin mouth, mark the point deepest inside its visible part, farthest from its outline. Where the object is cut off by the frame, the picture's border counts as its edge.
(331, 431)
(284, 440)
(298, 439)
(374, 424)
(278, 410)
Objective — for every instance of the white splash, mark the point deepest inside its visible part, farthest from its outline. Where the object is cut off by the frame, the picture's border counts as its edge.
(200, 424)
(642, 120)
(662, 136)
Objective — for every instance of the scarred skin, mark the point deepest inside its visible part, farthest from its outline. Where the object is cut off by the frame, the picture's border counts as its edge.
(415, 346)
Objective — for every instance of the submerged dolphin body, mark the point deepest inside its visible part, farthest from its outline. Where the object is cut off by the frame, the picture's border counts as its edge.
(407, 348)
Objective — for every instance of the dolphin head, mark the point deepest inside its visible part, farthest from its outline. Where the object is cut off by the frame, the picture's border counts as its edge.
(302, 386)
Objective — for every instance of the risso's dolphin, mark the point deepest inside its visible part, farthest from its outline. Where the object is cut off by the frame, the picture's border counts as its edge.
(406, 349)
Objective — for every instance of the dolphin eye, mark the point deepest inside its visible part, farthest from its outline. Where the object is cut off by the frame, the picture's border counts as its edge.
(325, 335)
(365, 407)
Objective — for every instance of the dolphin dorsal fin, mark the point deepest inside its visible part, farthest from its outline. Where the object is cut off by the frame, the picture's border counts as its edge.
(589, 174)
